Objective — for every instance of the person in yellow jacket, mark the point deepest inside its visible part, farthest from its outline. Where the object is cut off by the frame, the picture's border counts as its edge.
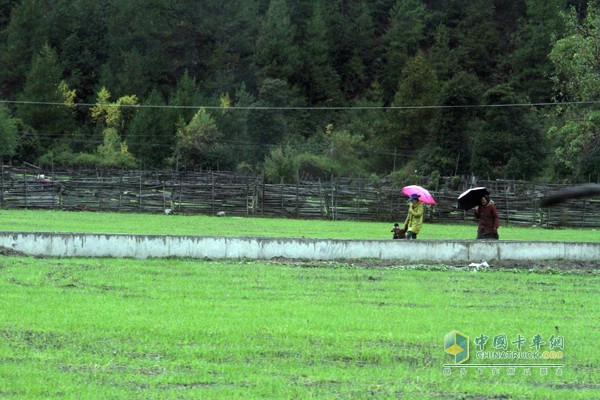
(414, 219)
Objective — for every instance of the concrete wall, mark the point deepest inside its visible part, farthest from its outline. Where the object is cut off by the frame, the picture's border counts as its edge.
(144, 246)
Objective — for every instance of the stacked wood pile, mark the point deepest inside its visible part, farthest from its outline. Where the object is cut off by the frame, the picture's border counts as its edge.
(339, 199)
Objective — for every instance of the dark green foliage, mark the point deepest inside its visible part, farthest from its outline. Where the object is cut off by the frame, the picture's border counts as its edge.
(530, 64)
(8, 133)
(318, 77)
(281, 166)
(78, 29)
(5, 10)
(198, 143)
(23, 37)
(151, 133)
(314, 166)
(508, 143)
(268, 126)
(418, 86)
(273, 73)
(275, 54)
(448, 150)
(574, 134)
(402, 40)
(442, 57)
(352, 46)
(51, 118)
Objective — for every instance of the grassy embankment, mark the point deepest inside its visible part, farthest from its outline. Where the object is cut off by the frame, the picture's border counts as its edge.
(160, 224)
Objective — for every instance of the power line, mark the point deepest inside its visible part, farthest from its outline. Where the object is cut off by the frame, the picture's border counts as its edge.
(305, 108)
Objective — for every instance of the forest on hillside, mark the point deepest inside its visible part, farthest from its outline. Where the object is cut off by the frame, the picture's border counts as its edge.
(297, 89)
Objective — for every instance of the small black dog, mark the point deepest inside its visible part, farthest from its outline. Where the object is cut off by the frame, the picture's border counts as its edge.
(398, 233)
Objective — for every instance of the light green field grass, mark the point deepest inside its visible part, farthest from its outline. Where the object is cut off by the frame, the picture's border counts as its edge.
(160, 224)
(167, 329)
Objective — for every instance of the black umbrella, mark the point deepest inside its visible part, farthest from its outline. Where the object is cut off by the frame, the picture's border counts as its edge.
(471, 198)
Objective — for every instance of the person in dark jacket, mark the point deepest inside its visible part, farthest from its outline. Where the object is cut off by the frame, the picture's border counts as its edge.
(489, 220)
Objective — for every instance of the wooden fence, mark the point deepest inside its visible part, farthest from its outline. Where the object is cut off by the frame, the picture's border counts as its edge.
(339, 199)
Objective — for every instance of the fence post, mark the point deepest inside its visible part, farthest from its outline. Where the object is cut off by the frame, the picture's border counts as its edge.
(297, 199)
(548, 209)
(51, 183)
(281, 198)
(334, 199)
(212, 191)
(2, 193)
(255, 197)
(180, 192)
(358, 199)
(26, 190)
(534, 205)
(247, 196)
(100, 190)
(506, 206)
(322, 200)
(140, 194)
(164, 196)
(262, 197)
(121, 191)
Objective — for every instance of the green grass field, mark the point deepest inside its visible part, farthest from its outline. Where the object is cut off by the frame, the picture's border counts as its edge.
(178, 329)
(161, 329)
(160, 224)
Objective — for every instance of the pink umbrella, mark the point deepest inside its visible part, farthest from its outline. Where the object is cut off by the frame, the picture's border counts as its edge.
(423, 194)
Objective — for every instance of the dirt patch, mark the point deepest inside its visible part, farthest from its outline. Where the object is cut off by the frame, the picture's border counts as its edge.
(560, 265)
(542, 266)
(4, 251)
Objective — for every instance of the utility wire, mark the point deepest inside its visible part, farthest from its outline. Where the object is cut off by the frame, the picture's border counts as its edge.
(306, 108)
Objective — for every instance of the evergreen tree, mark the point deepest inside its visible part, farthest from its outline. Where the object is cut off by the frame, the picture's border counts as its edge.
(151, 133)
(142, 55)
(234, 28)
(317, 76)
(442, 57)
(352, 47)
(372, 122)
(77, 29)
(8, 134)
(403, 39)
(184, 99)
(6, 7)
(198, 143)
(417, 91)
(276, 54)
(531, 68)
(46, 101)
(475, 38)
(25, 35)
(508, 143)
(347, 151)
(449, 149)
(267, 125)
(232, 121)
(480, 42)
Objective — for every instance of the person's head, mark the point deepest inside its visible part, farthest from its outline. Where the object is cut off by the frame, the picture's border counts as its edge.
(414, 198)
(396, 225)
(485, 200)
